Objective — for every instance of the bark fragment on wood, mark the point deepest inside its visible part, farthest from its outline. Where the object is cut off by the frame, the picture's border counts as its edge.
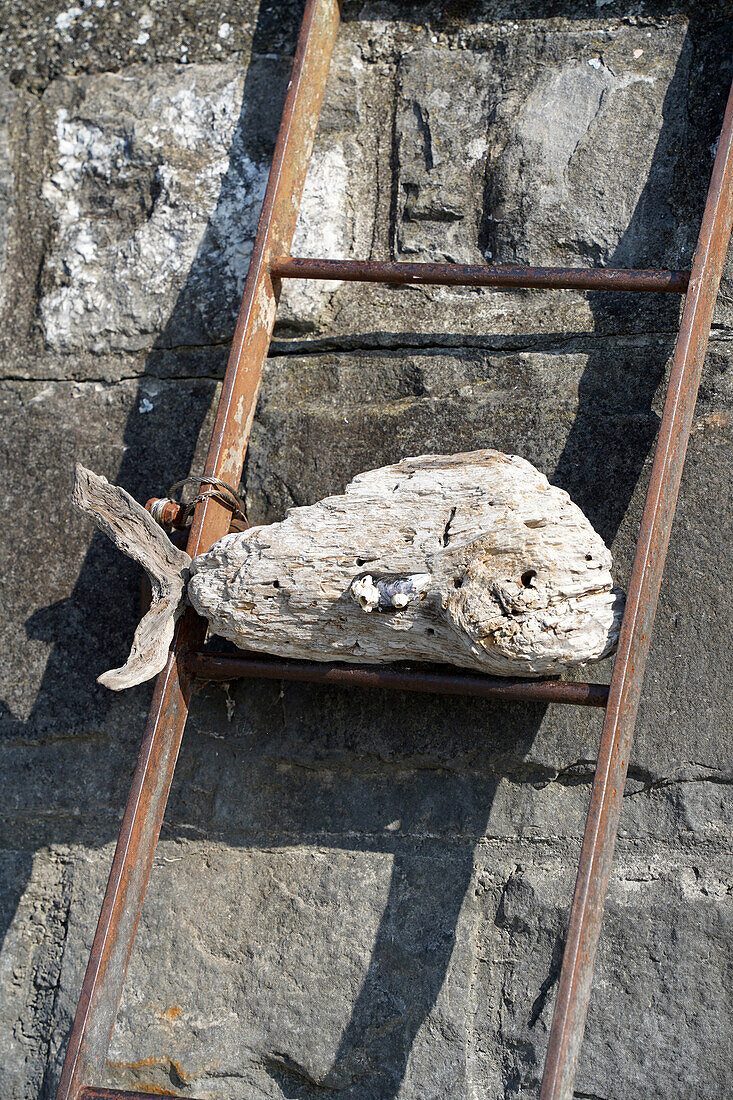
(519, 582)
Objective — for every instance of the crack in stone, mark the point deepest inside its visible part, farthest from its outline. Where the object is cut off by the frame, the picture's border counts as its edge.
(552, 976)
(673, 781)
(432, 345)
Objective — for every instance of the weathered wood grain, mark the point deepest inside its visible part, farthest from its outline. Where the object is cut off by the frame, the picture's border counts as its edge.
(472, 559)
(135, 533)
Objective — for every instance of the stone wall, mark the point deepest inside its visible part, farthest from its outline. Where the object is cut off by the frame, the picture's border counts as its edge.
(358, 894)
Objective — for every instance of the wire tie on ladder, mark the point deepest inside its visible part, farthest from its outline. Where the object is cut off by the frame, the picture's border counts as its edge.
(223, 493)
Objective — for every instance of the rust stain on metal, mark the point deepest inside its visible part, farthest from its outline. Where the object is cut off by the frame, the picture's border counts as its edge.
(168, 513)
(426, 274)
(212, 666)
(151, 1091)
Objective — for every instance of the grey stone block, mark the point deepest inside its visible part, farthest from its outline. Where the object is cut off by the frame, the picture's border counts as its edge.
(649, 993)
(411, 969)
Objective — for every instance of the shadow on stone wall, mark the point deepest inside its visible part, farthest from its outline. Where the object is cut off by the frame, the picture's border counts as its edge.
(87, 634)
(604, 455)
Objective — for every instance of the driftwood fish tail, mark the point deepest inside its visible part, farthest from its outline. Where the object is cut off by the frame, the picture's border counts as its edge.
(135, 533)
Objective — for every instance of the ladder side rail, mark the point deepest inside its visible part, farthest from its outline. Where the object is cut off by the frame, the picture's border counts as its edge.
(113, 941)
(571, 1003)
(253, 332)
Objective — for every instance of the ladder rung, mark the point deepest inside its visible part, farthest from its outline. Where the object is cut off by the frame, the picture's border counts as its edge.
(219, 666)
(508, 275)
(96, 1092)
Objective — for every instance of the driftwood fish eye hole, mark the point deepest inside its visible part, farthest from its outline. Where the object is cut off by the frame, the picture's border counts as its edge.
(180, 634)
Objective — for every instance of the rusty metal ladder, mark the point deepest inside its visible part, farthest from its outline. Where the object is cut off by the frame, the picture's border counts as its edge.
(102, 988)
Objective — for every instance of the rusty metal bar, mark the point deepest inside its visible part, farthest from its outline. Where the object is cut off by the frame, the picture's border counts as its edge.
(422, 274)
(105, 973)
(216, 666)
(113, 940)
(95, 1092)
(172, 515)
(573, 993)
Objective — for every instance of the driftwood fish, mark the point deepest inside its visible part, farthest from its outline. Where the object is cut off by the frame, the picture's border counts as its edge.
(471, 559)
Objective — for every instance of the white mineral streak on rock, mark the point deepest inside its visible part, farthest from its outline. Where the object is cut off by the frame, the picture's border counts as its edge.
(519, 582)
(8, 99)
(324, 228)
(179, 138)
